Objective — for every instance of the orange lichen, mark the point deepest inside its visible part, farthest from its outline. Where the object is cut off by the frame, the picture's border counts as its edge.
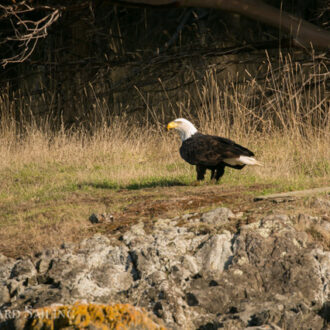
(83, 315)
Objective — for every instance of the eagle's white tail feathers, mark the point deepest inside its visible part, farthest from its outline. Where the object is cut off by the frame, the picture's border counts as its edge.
(243, 160)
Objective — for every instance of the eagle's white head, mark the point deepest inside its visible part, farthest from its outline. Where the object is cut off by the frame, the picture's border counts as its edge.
(185, 128)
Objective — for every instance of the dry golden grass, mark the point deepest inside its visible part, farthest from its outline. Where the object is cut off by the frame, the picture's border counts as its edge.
(51, 181)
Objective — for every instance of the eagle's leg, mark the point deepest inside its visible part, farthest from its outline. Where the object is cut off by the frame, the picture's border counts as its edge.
(219, 172)
(212, 174)
(200, 172)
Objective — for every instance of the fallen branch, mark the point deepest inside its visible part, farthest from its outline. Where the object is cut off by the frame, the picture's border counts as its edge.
(304, 34)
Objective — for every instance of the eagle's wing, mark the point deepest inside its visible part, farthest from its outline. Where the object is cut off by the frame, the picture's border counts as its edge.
(209, 150)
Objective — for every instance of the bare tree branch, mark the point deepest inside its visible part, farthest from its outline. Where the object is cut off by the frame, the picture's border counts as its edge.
(25, 32)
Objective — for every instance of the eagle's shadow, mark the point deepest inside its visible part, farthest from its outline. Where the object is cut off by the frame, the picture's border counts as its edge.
(136, 185)
(155, 184)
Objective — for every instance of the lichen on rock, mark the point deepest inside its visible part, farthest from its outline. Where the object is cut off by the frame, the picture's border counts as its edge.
(85, 316)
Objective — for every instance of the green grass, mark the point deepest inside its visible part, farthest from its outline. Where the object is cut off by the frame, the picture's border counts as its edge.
(50, 182)
(47, 202)
(35, 184)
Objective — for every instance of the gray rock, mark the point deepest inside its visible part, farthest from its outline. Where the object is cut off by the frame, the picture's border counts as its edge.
(307, 222)
(219, 216)
(43, 264)
(267, 275)
(216, 253)
(23, 269)
(190, 264)
(4, 295)
(6, 265)
(15, 287)
(101, 218)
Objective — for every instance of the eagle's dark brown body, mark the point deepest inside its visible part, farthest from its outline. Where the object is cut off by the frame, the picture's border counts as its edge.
(208, 152)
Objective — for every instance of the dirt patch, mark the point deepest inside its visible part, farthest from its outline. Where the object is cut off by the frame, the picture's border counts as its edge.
(129, 207)
(200, 199)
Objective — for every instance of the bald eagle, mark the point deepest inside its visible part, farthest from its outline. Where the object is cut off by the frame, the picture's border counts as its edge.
(210, 152)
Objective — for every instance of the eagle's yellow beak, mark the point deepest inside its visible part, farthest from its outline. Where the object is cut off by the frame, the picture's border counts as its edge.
(172, 124)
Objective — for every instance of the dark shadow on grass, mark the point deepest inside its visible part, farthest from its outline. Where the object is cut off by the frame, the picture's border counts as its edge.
(101, 185)
(135, 185)
(154, 184)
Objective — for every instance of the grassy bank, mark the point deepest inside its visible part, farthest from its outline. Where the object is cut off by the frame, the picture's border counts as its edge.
(50, 185)
(52, 181)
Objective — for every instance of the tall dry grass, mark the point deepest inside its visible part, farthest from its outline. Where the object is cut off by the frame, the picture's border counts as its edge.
(283, 117)
(51, 180)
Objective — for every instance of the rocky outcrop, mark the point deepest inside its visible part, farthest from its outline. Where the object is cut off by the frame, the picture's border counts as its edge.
(190, 272)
